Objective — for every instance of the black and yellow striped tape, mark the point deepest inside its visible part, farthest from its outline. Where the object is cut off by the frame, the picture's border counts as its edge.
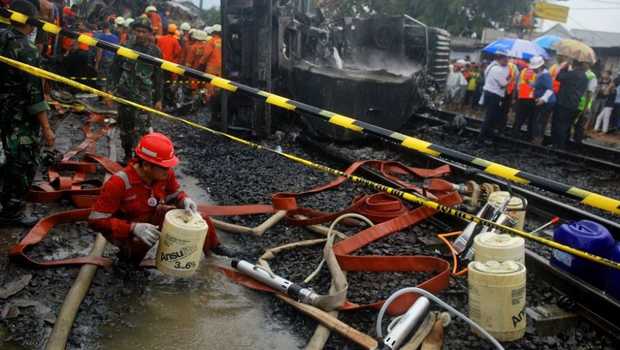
(184, 82)
(588, 198)
(410, 197)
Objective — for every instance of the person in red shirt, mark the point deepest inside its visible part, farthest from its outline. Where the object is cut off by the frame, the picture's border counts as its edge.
(134, 201)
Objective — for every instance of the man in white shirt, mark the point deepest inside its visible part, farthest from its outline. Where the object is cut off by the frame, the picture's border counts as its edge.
(455, 86)
(494, 90)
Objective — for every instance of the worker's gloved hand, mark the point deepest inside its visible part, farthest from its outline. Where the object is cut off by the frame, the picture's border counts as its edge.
(147, 233)
(190, 206)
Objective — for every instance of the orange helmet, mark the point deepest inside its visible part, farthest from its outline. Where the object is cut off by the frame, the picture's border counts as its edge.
(157, 149)
(172, 28)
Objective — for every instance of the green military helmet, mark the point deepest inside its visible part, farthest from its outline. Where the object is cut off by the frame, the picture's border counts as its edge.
(142, 22)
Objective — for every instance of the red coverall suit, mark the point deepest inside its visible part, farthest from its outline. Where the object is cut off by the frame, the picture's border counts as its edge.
(125, 199)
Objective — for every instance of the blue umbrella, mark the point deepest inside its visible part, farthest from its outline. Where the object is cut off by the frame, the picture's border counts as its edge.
(516, 48)
(548, 41)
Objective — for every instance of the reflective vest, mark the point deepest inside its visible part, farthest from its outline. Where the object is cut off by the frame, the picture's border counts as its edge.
(582, 103)
(526, 84)
(554, 71)
(512, 78)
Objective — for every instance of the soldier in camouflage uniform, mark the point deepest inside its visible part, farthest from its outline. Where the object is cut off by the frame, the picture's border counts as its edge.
(23, 116)
(139, 82)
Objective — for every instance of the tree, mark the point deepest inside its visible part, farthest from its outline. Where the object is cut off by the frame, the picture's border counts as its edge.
(459, 17)
(212, 16)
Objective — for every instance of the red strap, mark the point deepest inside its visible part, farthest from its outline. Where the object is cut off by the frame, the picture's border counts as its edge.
(391, 215)
(41, 230)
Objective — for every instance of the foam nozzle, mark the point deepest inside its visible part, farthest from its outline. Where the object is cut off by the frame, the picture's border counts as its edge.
(234, 263)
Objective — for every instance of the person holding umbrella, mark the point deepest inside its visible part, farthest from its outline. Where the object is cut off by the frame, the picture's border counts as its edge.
(573, 86)
(573, 83)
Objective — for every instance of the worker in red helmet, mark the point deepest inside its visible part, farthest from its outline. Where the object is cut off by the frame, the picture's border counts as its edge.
(133, 202)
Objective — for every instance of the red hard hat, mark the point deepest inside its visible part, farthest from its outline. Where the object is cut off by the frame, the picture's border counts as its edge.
(157, 149)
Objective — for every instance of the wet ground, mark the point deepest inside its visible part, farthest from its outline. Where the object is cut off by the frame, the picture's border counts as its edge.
(128, 308)
(142, 309)
(207, 309)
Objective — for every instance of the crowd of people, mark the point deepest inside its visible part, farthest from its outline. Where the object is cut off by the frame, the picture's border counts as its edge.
(22, 96)
(566, 95)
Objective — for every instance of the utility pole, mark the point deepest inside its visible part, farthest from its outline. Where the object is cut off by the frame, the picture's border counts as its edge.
(201, 3)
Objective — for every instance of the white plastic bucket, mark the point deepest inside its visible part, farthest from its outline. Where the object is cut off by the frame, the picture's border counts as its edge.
(497, 298)
(516, 207)
(499, 247)
(180, 244)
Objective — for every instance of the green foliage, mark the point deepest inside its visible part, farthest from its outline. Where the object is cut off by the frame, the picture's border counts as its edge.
(460, 17)
(212, 16)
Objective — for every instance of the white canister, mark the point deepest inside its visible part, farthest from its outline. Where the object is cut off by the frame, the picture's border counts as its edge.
(497, 298)
(180, 244)
(499, 247)
(516, 207)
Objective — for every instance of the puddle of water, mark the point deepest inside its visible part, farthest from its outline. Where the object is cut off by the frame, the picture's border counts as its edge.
(206, 311)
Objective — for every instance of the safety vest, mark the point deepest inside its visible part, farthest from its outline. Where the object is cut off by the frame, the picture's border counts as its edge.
(582, 103)
(512, 78)
(526, 84)
(554, 71)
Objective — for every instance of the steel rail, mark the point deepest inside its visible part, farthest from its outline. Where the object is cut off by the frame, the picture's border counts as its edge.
(586, 197)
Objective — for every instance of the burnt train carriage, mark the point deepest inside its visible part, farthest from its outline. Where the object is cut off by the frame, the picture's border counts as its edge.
(377, 69)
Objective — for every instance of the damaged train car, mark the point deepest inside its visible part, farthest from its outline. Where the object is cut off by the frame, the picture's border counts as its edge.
(378, 69)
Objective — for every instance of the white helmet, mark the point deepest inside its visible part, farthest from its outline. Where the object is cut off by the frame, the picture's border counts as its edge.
(128, 22)
(208, 29)
(185, 27)
(537, 62)
(216, 28)
(119, 21)
(150, 9)
(199, 35)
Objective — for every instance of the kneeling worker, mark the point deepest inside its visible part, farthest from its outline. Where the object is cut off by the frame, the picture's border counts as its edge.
(134, 201)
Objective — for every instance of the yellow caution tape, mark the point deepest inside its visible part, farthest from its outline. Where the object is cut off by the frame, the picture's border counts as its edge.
(51, 28)
(87, 40)
(128, 53)
(413, 198)
(280, 102)
(596, 200)
(345, 122)
(173, 67)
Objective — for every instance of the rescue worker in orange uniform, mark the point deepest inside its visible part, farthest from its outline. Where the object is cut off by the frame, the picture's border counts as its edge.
(171, 51)
(213, 59)
(169, 45)
(195, 55)
(151, 12)
(526, 104)
(555, 70)
(131, 207)
(513, 74)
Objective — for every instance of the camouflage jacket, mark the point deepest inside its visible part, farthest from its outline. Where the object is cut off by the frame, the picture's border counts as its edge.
(135, 80)
(21, 94)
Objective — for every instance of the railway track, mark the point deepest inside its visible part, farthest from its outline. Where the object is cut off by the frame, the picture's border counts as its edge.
(589, 154)
(588, 302)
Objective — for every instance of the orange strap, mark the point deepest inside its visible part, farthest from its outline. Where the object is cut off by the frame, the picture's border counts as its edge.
(392, 216)
(41, 230)
(76, 187)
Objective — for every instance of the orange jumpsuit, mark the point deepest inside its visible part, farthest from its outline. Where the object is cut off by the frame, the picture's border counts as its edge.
(213, 60)
(155, 23)
(170, 48)
(195, 59)
(185, 49)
